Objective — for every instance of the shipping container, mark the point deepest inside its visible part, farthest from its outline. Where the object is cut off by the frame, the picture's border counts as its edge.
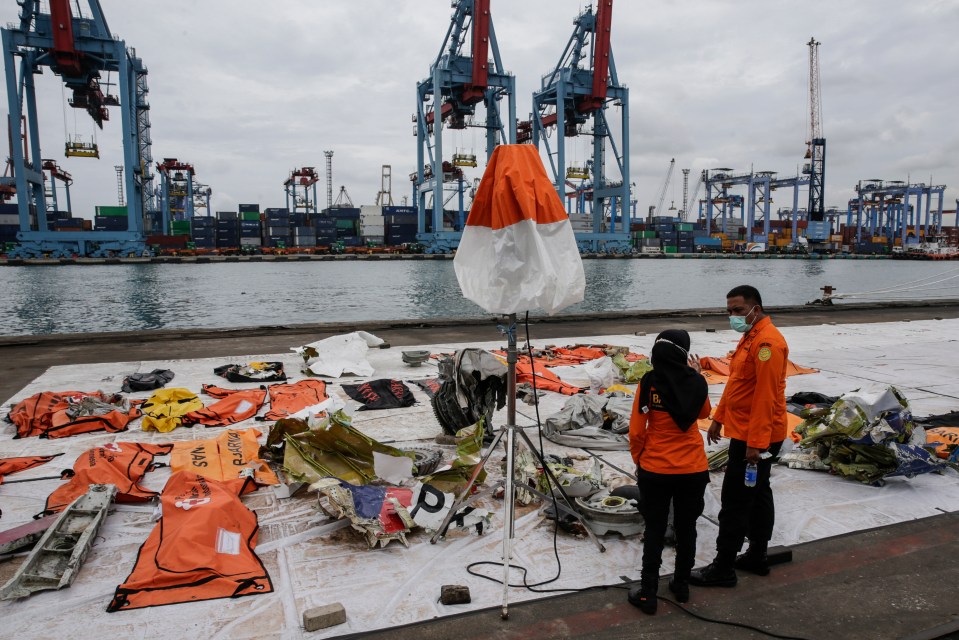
(110, 223)
(167, 241)
(112, 211)
(249, 208)
(227, 215)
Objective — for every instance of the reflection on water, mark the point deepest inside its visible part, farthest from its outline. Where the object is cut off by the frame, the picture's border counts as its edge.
(70, 299)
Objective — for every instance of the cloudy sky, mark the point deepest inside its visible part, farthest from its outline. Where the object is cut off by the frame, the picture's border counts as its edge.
(247, 90)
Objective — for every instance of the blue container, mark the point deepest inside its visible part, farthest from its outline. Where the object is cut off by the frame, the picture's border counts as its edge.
(345, 213)
(255, 208)
(8, 232)
(109, 223)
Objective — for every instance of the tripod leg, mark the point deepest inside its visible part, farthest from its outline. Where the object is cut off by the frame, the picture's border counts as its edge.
(441, 531)
(508, 517)
(570, 507)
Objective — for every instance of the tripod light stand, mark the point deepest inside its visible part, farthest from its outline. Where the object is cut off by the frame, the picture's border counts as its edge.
(510, 431)
(517, 253)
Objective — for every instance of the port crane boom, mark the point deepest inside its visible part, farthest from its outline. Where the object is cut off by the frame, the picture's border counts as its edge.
(816, 144)
(579, 90)
(77, 48)
(460, 78)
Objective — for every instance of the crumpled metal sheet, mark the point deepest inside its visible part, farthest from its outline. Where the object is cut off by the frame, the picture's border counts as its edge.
(580, 424)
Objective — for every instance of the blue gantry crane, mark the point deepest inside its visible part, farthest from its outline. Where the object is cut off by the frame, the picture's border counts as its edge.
(893, 209)
(577, 91)
(458, 81)
(755, 208)
(178, 189)
(78, 48)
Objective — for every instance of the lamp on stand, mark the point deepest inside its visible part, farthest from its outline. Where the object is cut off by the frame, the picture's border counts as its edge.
(517, 253)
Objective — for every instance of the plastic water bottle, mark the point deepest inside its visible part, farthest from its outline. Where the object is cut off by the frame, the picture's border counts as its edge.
(751, 472)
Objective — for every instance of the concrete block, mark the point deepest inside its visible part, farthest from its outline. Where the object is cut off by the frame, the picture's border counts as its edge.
(323, 617)
(454, 594)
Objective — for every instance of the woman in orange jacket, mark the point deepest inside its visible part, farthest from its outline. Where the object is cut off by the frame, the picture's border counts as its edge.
(670, 461)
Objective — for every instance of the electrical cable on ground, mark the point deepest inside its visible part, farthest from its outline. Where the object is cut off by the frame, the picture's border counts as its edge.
(729, 623)
(559, 565)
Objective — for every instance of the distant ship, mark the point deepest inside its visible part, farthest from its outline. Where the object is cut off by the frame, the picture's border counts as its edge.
(931, 248)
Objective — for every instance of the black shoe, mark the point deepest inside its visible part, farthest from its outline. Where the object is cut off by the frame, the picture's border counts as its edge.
(713, 575)
(756, 563)
(680, 589)
(643, 597)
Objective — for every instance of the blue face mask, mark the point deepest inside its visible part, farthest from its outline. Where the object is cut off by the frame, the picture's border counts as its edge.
(739, 324)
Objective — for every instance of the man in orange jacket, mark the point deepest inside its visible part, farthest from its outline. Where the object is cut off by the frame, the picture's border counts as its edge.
(753, 412)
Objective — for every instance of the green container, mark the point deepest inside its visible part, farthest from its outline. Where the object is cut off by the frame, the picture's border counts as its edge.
(669, 249)
(249, 215)
(684, 226)
(180, 228)
(346, 223)
(113, 211)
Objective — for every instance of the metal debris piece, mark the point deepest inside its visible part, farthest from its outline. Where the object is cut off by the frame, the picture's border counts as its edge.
(58, 556)
(603, 513)
(25, 535)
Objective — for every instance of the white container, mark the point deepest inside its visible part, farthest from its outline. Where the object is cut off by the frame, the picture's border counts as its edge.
(250, 242)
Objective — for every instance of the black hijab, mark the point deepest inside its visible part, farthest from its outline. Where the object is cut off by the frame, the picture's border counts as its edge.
(681, 388)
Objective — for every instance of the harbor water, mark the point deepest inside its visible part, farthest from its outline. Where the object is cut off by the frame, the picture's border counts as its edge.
(129, 297)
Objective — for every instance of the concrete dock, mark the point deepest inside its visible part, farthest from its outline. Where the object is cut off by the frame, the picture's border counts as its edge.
(896, 580)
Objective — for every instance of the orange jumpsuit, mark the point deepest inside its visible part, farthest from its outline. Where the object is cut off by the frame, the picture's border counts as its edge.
(660, 446)
(753, 406)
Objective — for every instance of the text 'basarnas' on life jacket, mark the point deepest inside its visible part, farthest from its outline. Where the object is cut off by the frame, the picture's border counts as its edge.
(203, 547)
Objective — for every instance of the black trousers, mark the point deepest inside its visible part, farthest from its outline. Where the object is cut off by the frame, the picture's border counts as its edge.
(746, 512)
(685, 491)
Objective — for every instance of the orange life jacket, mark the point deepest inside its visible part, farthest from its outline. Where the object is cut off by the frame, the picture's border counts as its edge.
(118, 463)
(944, 440)
(545, 380)
(223, 458)
(45, 415)
(14, 465)
(716, 370)
(287, 399)
(236, 406)
(202, 548)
